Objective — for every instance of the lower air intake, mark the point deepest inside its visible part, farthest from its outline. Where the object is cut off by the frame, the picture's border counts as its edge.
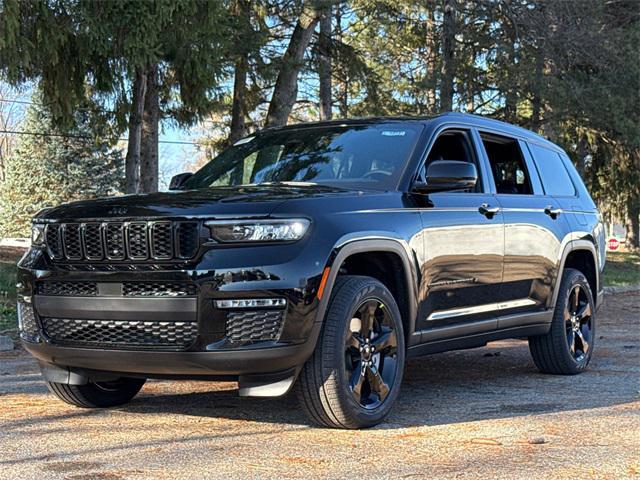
(120, 333)
(254, 326)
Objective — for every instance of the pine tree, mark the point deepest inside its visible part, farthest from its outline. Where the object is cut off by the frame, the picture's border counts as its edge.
(56, 167)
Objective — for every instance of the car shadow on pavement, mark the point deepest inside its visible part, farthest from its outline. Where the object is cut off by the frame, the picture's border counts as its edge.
(498, 381)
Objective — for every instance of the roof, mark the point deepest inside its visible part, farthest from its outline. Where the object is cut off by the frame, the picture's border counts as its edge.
(457, 117)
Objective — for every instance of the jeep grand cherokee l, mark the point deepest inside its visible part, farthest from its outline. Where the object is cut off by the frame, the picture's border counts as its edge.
(320, 256)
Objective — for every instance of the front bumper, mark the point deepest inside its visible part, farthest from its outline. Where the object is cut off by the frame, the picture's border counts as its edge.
(218, 342)
(223, 363)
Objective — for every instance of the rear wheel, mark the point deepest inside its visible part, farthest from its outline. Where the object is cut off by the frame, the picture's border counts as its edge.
(353, 378)
(98, 394)
(567, 348)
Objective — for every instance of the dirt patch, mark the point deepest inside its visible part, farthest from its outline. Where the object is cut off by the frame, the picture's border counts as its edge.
(482, 413)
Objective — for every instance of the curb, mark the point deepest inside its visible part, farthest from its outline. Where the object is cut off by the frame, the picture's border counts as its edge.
(622, 289)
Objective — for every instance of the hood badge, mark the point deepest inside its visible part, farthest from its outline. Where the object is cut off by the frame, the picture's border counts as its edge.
(117, 211)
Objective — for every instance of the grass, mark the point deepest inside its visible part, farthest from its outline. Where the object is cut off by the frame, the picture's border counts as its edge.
(622, 268)
(8, 314)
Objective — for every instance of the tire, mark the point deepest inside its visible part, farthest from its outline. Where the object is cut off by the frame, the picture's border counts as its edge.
(332, 388)
(562, 350)
(98, 394)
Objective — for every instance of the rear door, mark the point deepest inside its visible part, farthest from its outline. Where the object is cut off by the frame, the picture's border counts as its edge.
(463, 238)
(535, 230)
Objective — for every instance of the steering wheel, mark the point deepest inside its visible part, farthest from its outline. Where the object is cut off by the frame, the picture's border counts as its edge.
(372, 173)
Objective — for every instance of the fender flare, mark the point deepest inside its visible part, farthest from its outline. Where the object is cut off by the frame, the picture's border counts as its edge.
(373, 244)
(575, 246)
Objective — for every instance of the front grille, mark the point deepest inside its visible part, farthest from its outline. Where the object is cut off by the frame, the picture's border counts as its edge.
(71, 241)
(69, 289)
(114, 240)
(120, 333)
(54, 242)
(161, 240)
(254, 326)
(158, 289)
(187, 237)
(93, 243)
(119, 241)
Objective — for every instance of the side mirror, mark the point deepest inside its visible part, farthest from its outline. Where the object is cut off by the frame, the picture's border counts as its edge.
(445, 175)
(177, 181)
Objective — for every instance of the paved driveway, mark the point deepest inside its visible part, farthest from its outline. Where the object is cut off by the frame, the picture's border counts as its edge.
(479, 413)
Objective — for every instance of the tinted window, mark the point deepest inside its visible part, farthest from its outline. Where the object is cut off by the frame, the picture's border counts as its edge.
(363, 155)
(452, 145)
(507, 165)
(554, 175)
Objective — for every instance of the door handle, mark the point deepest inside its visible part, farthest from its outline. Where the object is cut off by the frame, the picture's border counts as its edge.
(487, 210)
(552, 212)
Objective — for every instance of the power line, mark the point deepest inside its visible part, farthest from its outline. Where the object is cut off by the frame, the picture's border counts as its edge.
(23, 102)
(27, 102)
(84, 137)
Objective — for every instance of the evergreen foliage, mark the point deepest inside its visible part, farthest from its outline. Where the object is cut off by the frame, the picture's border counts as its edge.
(569, 70)
(49, 170)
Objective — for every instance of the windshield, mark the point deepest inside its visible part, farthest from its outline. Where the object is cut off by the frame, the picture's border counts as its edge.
(368, 156)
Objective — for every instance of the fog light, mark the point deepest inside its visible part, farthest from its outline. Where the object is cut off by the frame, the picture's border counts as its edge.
(252, 303)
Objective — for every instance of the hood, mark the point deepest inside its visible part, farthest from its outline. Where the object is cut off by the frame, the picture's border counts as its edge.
(258, 200)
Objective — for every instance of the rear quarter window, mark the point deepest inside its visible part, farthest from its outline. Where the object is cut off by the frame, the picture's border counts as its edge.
(555, 178)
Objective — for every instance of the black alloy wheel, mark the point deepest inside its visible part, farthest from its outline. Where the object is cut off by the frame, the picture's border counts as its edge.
(578, 323)
(568, 346)
(371, 354)
(353, 377)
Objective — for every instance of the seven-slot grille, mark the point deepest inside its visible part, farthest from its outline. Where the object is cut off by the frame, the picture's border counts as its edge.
(115, 241)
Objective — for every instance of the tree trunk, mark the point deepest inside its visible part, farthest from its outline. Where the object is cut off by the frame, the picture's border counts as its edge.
(511, 96)
(448, 66)
(632, 225)
(432, 56)
(132, 161)
(536, 103)
(324, 64)
(285, 91)
(242, 11)
(343, 87)
(150, 129)
(238, 109)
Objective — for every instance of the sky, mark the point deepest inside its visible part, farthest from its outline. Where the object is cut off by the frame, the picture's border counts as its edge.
(173, 156)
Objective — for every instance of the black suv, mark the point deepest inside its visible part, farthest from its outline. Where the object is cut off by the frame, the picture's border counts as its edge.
(321, 255)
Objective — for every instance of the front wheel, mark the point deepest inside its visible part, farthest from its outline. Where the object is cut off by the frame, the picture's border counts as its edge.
(353, 377)
(98, 394)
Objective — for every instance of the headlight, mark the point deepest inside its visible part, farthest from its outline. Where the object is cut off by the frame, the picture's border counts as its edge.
(284, 230)
(37, 234)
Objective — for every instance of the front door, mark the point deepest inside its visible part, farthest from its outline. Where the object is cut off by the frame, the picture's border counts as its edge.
(463, 238)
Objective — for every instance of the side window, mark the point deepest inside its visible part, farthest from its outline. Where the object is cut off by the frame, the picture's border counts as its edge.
(554, 175)
(453, 145)
(507, 165)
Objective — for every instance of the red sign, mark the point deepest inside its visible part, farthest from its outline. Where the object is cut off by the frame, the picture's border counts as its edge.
(613, 244)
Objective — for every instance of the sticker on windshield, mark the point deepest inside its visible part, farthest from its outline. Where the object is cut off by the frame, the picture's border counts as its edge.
(242, 141)
(393, 133)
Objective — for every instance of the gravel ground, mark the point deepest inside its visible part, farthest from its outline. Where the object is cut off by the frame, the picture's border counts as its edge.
(481, 413)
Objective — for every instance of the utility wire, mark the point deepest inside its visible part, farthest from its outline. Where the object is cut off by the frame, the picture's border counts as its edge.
(15, 132)
(27, 102)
